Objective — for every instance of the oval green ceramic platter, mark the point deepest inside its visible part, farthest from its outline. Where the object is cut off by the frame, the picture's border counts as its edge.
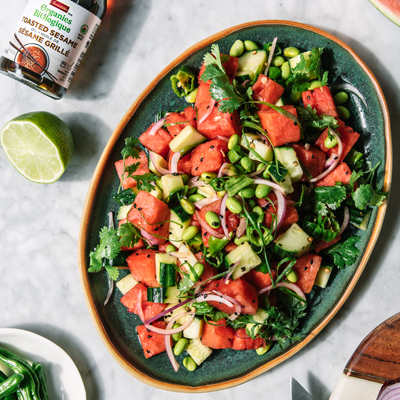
(227, 368)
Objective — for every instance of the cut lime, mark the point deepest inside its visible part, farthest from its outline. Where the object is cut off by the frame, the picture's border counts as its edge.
(38, 145)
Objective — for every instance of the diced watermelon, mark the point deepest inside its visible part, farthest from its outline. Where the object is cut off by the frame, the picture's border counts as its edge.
(320, 245)
(152, 343)
(211, 339)
(194, 221)
(232, 219)
(321, 100)
(230, 247)
(267, 90)
(341, 173)
(208, 157)
(306, 268)
(224, 330)
(246, 344)
(137, 246)
(188, 114)
(154, 211)
(142, 264)
(131, 299)
(143, 169)
(312, 159)
(158, 142)
(150, 309)
(238, 289)
(230, 67)
(258, 279)
(217, 123)
(279, 128)
(184, 163)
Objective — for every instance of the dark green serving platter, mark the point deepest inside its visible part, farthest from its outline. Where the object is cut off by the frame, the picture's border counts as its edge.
(227, 368)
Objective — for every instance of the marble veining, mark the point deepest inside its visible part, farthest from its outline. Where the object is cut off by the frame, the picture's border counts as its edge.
(39, 281)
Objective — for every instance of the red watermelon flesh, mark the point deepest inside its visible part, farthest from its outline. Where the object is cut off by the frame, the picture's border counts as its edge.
(224, 330)
(143, 169)
(131, 299)
(210, 338)
(230, 67)
(246, 344)
(389, 8)
(307, 268)
(184, 163)
(312, 158)
(230, 247)
(188, 114)
(208, 157)
(258, 279)
(267, 90)
(158, 142)
(142, 264)
(341, 173)
(152, 343)
(321, 100)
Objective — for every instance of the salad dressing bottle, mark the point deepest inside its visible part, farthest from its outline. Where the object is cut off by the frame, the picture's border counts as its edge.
(50, 41)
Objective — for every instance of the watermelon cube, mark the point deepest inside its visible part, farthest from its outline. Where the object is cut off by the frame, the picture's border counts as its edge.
(208, 157)
(243, 342)
(143, 169)
(341, 173)
(266, 89)
(149, 213)
(321, 100)
(142, 264)
(211, 339)
(157, 142)
(131, 299)
(312, 158)
(306, 268)
(279, 128)
(152, 343)
(230, 66)
(188, 114)
(184, 163)
(258, 279)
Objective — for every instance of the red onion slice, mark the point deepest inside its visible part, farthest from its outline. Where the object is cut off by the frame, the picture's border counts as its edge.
(286, 285)
(256, 172)
(209, 111)
(167, 311)
(223, 138)
(169, 331)
(197, 184)
(139, 308)
(174, 162)
(157, 126)
(222, 169)
(242, 336)
(331, 160)
(390, 390)
(151, 240)
(346, 220)
(335, 163)
(222, 212)
(157, 166)
(192, 180)
(244, 83)
(205, 202)
(242, 227)
(207, 227)
(231, 270)
(238, 306)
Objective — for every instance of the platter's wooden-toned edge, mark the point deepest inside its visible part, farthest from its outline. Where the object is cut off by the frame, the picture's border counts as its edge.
(100, 169)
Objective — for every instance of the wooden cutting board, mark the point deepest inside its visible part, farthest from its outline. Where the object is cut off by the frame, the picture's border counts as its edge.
(376, 360)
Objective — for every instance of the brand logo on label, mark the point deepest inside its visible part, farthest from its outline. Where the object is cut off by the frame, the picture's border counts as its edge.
(59, 5)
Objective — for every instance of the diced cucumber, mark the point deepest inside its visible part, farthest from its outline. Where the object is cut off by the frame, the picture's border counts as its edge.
(252, 61)
(364, 224)
(206, 191)
(160, 161)
(180, 212)
(288, 158)
(263, 149)
(187, 139)
(198, 351)
(360, 218)
(322, 277)
(165, 269)
(191, 259)
(175, 230)
(285, 184)
(280, 102)
(260, 316)
(156, 294)
(123, 212)
(248, 259)
(126, 284)
(157, 192)
(177, 311)
(195, 329)
(295, 60)
(293, 243)
(171, 184)
(172, 295)
(243, 76)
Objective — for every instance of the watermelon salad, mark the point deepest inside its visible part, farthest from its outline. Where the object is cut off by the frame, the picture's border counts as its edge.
(233, 208)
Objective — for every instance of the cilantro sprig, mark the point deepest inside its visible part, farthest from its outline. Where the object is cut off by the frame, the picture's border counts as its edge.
(344, 253)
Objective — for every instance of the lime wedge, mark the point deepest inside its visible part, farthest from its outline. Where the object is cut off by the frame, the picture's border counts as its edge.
(39, 146)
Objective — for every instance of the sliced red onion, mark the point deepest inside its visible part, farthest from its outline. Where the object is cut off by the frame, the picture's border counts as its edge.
(174, 162)
(286, 285)
(167, 311)
(242, 227)
(192, 180)
(231, 270)
(346, 220)
(139, 308)
(390, 390)
(280, 197)
(207, 227)
(245, 82)
(238, 306)
(288, 202)
(157, 166)
(197, 184)
(258, 172)
(331, 160)
(205, 202)
(209, 111)
(271, 54)
(222, 212)
(157, 126)
(335, 163)
(169, 331)
(151, 240)
(222, 169)
(179, 254)
(223, 138)
(264, 139)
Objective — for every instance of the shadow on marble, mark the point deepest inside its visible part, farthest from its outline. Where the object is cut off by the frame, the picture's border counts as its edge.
(75, 348)
(317, 389)
(120, 27)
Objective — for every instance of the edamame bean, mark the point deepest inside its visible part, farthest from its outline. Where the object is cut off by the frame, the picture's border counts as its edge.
(191, 97)
(180, 346)
(247, 193)
(159, 183)
(249, 45)
(234, 205)
(262, 350)
(196, 197)
(237, 49)
(262, 191)
(285, 70)
(198, 269)
(170, 248)
(295, 96)
(188, 206)
(329, 143)
(291, 52)
(344, 113)
(247, 164)
(189, 364)
(277, 61)
(233, 141)
(213, 220)
(292, 276)
(208, 176)
(185, 178)
(190, 233)
(274, 72)
(176, 336)
(314, 85)
(251, 203)
(258, 210)
(340, 98)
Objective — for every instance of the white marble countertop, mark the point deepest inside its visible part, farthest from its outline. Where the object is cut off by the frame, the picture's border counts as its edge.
(40, 289)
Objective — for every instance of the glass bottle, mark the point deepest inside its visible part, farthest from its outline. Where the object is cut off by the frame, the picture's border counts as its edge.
(50, 41)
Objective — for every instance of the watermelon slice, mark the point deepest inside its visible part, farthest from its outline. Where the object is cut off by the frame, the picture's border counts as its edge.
(239, 343)
(211, 338)
(307, 268)
(208, 157)
(152, 343)
(267, 90)
(143, 169)
(389, 8)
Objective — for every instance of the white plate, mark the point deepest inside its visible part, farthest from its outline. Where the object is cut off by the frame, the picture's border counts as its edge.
(64, 381)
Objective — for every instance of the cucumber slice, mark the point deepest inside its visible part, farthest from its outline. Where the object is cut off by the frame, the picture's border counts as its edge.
(252, 61)
(126, 284)
(285, 184)
(243, 76)
(293, 243)
(263, 149)
(171, 184)
(156, 294)
(165, 269)
(175, 230)
(359, 218)
(322, 277)
(198, 351)
(187, 139)
(288, 158)
(248, 259)
(280, 102)
(177, 311)
(364, 224)
(157, 192)
(295, 60)
(160, 161)
(172, 295)
(195, 329)
(123, 212)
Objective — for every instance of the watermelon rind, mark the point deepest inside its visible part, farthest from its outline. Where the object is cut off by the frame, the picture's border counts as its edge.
(383, 7)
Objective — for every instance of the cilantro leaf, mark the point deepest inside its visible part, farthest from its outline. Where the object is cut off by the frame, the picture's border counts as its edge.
(362, 196)
(131, 148)
(332, 196)
(129, 234)
(213, 58)
(217, 315)
(344, 253)
(310, 119)
(113, 273)
(143, 181)
(378, 199)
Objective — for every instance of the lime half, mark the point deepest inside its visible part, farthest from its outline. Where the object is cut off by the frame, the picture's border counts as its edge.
(39, 146)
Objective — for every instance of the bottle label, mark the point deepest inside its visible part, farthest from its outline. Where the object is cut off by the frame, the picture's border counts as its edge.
(51, 39)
